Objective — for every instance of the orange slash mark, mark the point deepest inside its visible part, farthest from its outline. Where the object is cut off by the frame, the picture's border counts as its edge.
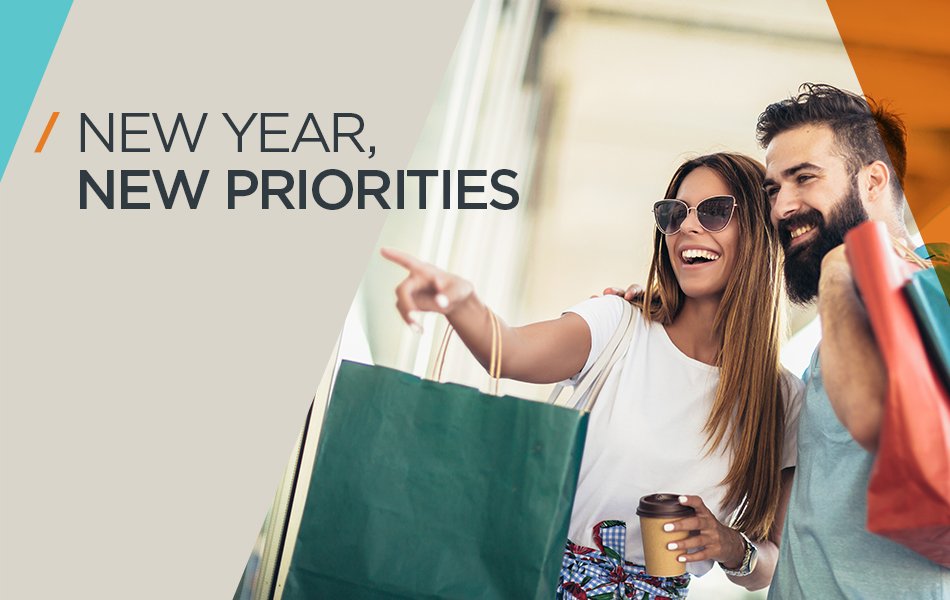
(49, 128)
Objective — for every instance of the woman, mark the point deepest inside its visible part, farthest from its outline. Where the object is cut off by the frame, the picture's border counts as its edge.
(699, 402)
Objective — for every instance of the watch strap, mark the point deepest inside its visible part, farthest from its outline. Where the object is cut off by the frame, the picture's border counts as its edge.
(748, 559)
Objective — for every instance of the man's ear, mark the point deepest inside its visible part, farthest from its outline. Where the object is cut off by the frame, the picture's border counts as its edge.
(876, 182)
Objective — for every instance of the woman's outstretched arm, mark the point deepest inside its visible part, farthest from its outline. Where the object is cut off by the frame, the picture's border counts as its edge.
(544, 352)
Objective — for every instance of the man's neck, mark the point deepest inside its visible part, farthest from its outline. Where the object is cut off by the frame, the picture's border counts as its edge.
(893, 221)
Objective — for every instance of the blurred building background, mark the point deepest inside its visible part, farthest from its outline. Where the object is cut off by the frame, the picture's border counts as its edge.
(594, 103)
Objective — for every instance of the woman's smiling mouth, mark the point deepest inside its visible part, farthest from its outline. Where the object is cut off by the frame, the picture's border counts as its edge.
(693, 257)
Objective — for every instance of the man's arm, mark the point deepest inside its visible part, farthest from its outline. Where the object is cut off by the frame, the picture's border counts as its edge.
(853, 371)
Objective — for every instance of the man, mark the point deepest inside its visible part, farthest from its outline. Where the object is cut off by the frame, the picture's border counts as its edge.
(827, 171)
(832, 162)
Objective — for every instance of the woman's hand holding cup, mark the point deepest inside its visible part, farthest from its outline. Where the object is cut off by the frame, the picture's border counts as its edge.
(714, 540)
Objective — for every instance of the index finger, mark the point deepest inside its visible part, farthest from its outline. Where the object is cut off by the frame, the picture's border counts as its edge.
(400, 258)
(695, 502)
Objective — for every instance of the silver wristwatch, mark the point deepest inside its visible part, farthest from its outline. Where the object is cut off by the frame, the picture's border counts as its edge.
(749, 559)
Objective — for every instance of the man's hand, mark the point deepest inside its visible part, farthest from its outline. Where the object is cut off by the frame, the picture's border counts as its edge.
(835, 274)
(627, 294)
(836, 271)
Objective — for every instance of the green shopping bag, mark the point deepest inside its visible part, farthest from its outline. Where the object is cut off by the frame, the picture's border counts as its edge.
(435, 490)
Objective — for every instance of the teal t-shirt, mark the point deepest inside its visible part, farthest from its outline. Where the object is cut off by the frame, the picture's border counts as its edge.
(827, 551)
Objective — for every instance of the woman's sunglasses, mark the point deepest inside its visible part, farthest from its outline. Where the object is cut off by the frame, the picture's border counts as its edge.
(714, 213)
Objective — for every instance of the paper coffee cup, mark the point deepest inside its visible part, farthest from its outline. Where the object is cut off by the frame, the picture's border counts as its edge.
(655, 511)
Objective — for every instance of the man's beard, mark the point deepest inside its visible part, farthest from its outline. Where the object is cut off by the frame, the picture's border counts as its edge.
(803, 263)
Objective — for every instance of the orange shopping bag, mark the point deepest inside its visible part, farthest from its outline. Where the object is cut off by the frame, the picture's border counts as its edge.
(909, 487)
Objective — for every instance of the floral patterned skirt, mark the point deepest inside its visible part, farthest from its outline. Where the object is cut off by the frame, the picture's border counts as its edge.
(603, 574)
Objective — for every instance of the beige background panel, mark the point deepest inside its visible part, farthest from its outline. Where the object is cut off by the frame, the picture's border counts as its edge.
(157, 365)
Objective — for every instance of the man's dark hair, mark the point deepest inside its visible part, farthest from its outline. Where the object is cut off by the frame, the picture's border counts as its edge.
(864, 130)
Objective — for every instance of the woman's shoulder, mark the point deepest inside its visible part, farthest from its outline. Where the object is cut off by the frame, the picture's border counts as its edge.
(608, 303)
(793, 392)
(791, 381)
(604, 315)
(604, 311)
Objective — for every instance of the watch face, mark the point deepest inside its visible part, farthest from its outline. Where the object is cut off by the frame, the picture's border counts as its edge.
(749, 559)
(753, 558)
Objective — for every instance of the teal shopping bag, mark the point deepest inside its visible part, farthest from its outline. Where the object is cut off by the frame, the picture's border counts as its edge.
(929, 303)
(434, 490)
(927, 292)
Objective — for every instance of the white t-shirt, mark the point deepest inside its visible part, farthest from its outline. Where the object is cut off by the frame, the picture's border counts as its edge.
(645, 433)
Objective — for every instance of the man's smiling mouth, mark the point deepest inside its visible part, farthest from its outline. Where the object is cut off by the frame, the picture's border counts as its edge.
(801, 231)
(801, 234)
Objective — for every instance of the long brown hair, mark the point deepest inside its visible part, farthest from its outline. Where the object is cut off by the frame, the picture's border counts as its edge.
(748, 414)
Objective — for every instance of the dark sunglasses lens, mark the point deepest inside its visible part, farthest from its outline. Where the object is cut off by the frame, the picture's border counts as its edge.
(669, 215)
(714, 213)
